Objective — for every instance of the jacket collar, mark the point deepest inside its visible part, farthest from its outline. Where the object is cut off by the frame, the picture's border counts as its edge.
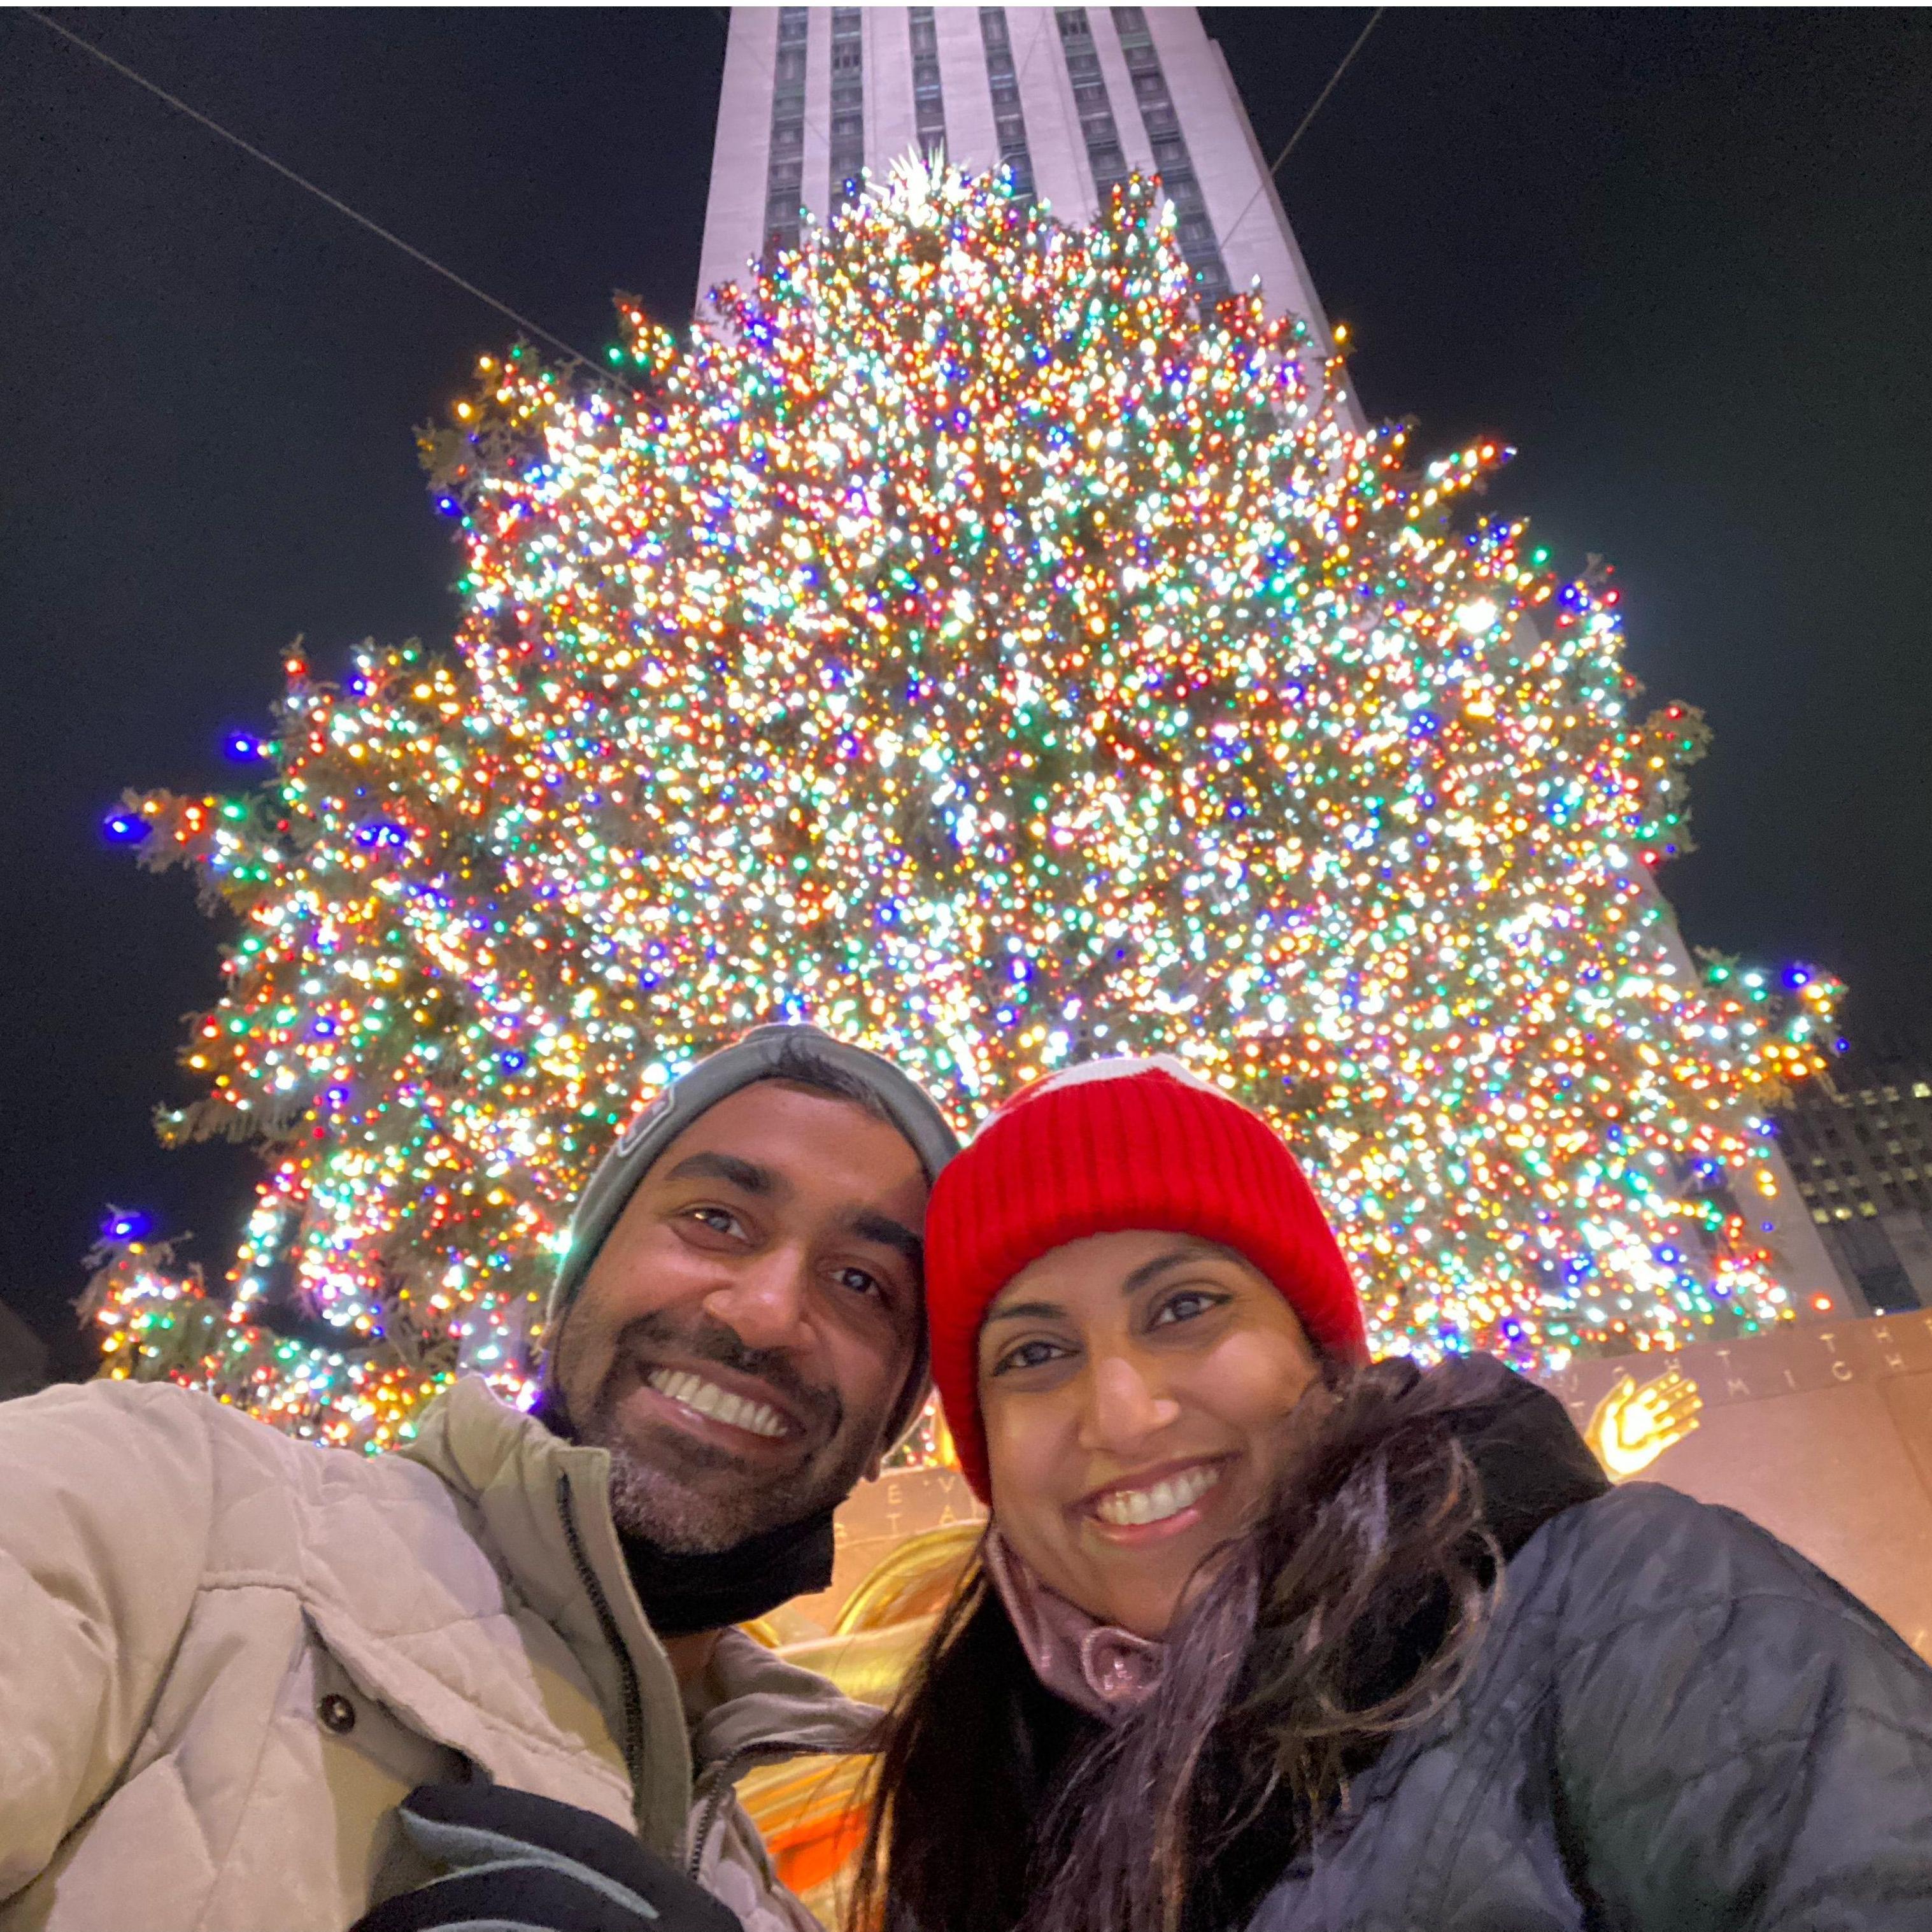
(751, 1703)
(1530, 1461)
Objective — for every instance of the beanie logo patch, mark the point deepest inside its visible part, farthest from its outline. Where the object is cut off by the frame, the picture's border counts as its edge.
(1127, 1066)
(642, 1125)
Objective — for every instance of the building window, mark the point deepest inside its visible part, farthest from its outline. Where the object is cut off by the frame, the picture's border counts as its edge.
(1106, 161)
(1169, 144)
(1009, 123)
(784, 173)
(928, 97)
(848, 103)
(1888, 1291)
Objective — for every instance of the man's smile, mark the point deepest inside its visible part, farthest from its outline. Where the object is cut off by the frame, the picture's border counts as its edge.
(733, 1412)
(708, 1399)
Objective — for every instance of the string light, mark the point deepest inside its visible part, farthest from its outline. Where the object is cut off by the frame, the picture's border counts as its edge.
(973, 648)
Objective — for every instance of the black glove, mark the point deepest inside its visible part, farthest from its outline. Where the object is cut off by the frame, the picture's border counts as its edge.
(516, 1860)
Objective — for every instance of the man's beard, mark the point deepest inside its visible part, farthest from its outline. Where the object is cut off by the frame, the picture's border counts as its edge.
(697, 1499)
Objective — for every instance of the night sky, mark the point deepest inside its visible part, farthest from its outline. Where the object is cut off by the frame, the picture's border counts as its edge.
(1682, 259)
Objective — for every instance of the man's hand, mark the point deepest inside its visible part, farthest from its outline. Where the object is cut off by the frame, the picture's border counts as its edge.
(1634, 1424)
(516, 1860)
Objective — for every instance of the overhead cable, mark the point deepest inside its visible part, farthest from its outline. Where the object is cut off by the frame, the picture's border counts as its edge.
(121, 67)
(1274, 167)
(1307, 120)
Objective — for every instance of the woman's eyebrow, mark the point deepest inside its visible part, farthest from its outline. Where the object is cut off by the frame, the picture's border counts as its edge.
(1147, 1271)
(1044, 1311)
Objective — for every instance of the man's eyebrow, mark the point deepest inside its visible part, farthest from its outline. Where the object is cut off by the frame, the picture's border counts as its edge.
(1044, 1311)
(889, 1234)
(744, 1174)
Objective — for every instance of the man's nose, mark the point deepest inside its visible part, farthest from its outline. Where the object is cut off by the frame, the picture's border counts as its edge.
(763, 1301)
(1123, 1407)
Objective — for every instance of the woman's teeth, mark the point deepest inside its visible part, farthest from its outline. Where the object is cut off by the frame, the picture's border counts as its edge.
(1128, 1507)
(708, 1399)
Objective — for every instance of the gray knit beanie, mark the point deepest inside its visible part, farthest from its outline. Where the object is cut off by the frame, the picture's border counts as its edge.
(765, 1053)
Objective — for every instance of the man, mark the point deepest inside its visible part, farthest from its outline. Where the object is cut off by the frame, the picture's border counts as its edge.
(228, 1657)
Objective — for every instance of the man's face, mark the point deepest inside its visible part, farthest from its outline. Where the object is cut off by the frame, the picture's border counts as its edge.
(743, 1337)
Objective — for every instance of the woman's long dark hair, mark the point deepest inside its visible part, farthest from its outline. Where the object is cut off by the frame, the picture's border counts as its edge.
(1353, 1610)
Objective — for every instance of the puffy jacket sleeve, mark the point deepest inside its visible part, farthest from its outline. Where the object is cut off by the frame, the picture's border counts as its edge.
(1740, 1743)
(106, 1502)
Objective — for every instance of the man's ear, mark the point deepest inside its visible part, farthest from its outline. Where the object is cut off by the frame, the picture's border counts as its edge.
(876, 1461)
(549, 1406)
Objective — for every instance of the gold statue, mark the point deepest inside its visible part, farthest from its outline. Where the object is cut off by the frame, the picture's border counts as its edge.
(1637, 1421)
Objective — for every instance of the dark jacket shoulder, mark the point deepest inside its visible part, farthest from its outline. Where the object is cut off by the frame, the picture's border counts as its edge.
(1674, 1724)
(1737, 1740)
(1645, 1546)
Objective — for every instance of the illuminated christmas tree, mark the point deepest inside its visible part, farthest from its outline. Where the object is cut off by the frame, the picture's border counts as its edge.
(973, 648)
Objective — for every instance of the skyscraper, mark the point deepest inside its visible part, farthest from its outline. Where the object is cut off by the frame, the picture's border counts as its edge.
(1860, 1140)
(1072, 99)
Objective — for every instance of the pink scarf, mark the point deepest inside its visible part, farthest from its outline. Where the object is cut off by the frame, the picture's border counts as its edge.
(1104, 1670)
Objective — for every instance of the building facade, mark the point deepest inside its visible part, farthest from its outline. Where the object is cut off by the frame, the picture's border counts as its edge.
(1859, 1141)
(1070, 99)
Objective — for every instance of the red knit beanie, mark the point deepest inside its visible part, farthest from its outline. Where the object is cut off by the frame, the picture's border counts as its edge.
(1106, 1146)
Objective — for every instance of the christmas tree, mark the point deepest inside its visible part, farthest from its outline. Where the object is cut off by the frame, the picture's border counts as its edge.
(971, 646)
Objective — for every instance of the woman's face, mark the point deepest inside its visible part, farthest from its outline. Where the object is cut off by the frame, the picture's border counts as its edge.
(1136, 1390)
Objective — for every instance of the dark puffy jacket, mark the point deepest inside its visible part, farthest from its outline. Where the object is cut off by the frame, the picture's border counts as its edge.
(1675, 1724)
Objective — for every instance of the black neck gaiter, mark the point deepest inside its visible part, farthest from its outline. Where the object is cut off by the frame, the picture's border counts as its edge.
(682, 1592)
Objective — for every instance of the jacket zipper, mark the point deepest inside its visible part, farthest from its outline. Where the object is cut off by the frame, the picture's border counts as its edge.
(723, 1775)
(633, 1700)
(707, 1818)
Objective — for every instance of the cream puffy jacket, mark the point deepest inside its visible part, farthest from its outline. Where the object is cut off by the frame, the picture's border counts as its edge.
(225, 1655)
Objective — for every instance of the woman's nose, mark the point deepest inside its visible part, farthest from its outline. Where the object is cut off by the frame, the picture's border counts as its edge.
(1123, 1407)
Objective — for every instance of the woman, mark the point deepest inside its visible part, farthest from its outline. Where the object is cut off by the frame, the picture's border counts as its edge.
(1263, 1635)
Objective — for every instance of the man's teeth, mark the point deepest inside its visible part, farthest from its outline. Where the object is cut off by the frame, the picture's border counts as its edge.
(1128, 1507)
(708, 1399)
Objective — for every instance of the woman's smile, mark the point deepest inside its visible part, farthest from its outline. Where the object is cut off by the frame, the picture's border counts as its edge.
(1154, 1504)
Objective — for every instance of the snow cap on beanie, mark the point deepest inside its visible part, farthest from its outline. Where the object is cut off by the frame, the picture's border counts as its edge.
(1106, 1146)
(765, 1053)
